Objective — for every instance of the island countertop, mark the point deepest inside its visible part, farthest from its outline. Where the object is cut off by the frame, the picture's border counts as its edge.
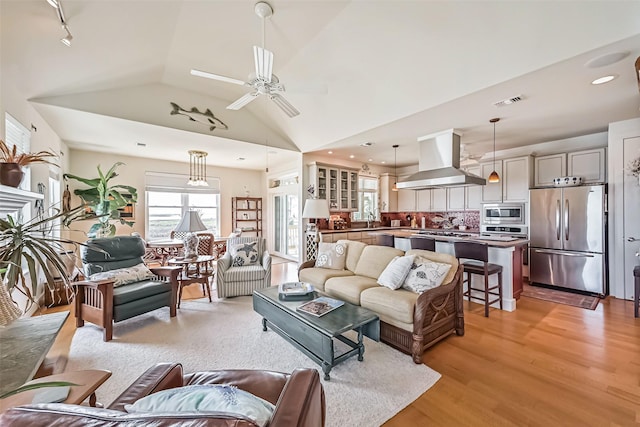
(475, 237)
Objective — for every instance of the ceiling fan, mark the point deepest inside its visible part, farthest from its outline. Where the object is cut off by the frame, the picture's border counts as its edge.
(263, 81)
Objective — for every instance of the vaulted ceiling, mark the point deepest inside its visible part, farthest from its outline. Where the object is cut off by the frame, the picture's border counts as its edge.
(394, 70)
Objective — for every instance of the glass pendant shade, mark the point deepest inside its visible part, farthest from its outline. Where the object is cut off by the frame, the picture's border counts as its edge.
(494, 177)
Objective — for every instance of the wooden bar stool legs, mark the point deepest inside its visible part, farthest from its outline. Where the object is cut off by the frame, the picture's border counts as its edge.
(479, 255)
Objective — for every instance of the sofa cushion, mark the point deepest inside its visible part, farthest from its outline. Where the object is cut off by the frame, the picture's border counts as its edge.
(331, 255)
(123, 276)
(395, 273)
(391, 305)
(138, 290)
(349, 288)
(438, 257)
(244, 254)
(245, 273)
(318, 276)
(354, 250)
(206, 398)
(374, 260)
(425, 274)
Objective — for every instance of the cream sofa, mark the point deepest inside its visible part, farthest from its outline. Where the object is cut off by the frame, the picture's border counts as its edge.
(409, 321)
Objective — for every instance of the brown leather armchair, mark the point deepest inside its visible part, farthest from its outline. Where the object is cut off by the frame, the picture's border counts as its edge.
(299, 399)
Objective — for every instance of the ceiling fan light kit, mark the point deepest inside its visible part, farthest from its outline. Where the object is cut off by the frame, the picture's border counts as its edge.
(494, 177)
(264, 82)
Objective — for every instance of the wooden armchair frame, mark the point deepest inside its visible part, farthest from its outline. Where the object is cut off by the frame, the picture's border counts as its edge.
(94, 300)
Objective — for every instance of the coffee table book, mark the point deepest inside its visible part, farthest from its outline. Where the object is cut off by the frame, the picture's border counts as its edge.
(320, 306)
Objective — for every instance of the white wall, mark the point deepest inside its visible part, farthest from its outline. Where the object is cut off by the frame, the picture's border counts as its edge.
(232, 183)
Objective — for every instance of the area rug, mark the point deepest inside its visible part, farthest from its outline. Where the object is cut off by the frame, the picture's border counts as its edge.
(560, 297)
(227, 334)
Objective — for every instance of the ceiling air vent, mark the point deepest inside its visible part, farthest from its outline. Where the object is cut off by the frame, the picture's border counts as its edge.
(508, 101)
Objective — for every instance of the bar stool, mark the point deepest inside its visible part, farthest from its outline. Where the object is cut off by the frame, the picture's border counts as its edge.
(479, 252)
(423, 243)
(636, 293)
(385, 240)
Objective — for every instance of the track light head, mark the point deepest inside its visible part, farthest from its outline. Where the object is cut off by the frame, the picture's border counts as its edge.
(67, 39)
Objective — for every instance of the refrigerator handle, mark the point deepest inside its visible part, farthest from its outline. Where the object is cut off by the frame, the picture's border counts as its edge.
(558, 219)
(566, 219)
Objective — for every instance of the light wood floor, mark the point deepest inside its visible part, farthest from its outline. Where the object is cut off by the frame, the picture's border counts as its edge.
(543, 365)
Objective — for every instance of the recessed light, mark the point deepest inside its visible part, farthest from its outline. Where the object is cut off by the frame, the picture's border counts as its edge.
(370, 160)
(604, 79)
(351, 156)
(330, 152)
(383, 162)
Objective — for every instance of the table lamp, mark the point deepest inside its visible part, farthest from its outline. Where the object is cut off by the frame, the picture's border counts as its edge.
(313, 209)
(189, 224)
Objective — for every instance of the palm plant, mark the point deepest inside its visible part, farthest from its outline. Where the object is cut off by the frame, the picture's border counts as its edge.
(105, 200)
(31, 244)
(23, 159)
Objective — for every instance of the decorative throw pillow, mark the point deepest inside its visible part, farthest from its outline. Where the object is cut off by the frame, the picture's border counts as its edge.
(425, 274)
(123, 276)
(331, 255)
(244, 254)
(394, 274)
(206, 398)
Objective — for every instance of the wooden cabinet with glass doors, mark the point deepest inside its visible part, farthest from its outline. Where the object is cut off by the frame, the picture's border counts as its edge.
(339, 186)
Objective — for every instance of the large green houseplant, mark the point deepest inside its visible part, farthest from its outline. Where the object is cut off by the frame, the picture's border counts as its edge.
(105, 200)
(26, 249)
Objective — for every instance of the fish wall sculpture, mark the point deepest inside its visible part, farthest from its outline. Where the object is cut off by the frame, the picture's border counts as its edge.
(207, 118)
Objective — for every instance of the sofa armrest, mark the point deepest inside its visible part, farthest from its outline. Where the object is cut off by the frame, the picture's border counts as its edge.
(302, 402)
(427, 311)
(162, 376)
(266, 260)
(307, 264)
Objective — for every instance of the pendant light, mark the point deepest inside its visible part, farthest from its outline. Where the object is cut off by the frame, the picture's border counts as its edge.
(395, 168)
(494, 177)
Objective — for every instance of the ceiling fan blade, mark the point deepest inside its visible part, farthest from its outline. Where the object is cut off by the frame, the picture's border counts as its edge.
(284, 105)
(264, 63)
(242, 101)
(217, 77)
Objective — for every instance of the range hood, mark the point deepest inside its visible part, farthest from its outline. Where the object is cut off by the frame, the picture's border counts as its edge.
(439, 164)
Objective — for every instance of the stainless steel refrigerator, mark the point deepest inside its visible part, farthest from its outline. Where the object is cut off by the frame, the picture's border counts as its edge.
(568, 237)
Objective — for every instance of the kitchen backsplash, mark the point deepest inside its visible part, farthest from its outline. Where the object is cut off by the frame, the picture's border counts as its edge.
(470, 219)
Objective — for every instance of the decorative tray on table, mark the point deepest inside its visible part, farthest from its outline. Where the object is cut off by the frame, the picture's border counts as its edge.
(295, 291)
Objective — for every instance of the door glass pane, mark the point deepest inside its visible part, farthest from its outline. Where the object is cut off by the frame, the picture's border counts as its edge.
(278, 210)
(292, 225)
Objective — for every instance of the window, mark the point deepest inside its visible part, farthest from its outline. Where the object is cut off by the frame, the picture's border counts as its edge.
(367, 199)
(168, 197)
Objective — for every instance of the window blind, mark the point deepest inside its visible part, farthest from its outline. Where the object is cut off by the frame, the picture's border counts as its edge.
(177, 183)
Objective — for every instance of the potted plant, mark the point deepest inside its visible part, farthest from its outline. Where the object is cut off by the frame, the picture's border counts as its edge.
(26, 249)
(11, 163)
(104, 200)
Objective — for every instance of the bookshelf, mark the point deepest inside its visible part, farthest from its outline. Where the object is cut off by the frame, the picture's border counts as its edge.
(246, 215)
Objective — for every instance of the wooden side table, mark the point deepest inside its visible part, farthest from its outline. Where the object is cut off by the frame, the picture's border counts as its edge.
(195, 270)
(88, 382)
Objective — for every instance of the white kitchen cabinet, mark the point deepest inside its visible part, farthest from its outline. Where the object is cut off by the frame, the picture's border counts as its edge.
(423, 200)
(588, 164)
(407, 199)
(338, 186)
(549, 167)
(388, 198)
(456, 198)
(439, 199)
(492, 191)
(473, 193)
(517, 179)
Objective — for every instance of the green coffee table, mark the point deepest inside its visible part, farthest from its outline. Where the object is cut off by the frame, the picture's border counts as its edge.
(314, 335)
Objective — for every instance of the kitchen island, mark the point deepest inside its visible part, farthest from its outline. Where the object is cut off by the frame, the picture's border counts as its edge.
(505, 252)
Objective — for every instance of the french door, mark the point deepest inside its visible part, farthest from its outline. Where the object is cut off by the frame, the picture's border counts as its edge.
(285, 242)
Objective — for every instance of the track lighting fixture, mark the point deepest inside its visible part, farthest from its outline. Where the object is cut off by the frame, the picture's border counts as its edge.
(57, 5)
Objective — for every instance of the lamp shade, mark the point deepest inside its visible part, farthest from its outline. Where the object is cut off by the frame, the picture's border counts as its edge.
(190, 222)
(315, 208)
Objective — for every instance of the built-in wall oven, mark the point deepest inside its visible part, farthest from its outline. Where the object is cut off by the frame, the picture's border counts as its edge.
(495, 214)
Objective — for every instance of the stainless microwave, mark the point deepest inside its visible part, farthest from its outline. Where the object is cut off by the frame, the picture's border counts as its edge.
(503, 213)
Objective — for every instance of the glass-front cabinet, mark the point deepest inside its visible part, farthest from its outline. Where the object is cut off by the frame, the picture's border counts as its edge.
(337, 185)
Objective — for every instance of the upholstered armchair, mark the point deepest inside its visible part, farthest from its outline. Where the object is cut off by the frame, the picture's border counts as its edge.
(117, 287)
(244, 267)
